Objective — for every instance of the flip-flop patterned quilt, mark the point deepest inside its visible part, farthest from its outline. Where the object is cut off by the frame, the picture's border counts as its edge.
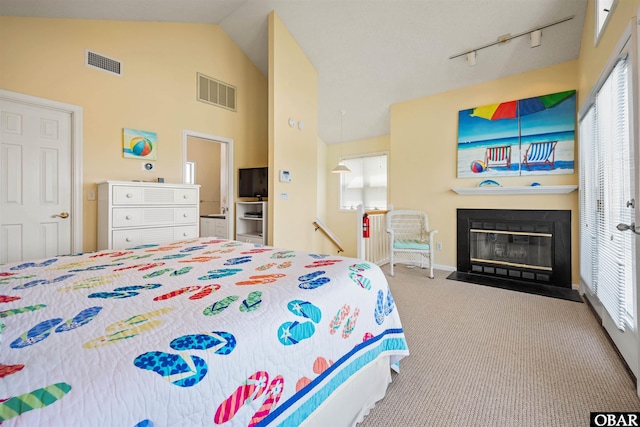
(193, 333)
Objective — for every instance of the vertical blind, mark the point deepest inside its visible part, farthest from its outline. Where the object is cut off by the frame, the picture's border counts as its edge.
(606, 178)
(366, 184)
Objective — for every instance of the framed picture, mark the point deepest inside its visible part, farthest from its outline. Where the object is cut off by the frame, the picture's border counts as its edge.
(138, 144)
(531, 136)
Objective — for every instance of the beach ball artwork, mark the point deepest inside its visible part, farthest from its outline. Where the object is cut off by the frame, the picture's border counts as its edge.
(478, 166)
(139, 144)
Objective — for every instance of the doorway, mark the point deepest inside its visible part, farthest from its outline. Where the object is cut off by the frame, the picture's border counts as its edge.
(217, 183)
(41, 181)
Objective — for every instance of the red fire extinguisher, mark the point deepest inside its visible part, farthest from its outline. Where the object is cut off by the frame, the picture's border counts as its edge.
(365, 226)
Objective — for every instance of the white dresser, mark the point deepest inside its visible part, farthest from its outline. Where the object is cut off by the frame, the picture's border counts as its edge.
(138, 213)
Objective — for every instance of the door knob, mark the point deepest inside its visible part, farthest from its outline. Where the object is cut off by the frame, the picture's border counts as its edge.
(62, 215)
(625, 227)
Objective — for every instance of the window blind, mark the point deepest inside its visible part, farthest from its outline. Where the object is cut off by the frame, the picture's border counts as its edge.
(366, 184)
(606, 188)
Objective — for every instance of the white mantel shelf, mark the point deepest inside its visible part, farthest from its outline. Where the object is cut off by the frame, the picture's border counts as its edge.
(539, 189)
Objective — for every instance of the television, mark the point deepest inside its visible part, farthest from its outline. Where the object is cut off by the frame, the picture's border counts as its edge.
(253, 182)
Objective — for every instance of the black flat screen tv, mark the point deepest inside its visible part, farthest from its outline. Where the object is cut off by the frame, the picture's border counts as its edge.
(253, 182)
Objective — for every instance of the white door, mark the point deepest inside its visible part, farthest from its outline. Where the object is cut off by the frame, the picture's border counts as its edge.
(35, 182)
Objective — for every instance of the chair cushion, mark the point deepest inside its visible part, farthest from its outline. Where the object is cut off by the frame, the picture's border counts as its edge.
(410, 244)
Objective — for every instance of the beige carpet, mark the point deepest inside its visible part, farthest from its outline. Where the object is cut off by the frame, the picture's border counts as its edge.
(482, 356)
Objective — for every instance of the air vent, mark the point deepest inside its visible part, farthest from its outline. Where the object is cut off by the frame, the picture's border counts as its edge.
(215, 92)
(101, 62)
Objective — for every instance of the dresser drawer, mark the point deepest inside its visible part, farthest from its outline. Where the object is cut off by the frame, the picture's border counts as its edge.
(142, 236)
(186, 232)
(126, 195)
(145, 217)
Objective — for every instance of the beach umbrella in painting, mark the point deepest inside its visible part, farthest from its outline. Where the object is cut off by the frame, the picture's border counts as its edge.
(521, 107)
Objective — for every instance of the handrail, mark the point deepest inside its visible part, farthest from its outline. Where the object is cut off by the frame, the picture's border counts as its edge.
(323, 227)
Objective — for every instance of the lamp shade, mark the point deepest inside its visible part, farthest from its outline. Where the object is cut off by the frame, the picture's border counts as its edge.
(341, 168)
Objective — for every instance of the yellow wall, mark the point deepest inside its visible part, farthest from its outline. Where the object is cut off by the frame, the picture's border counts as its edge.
(205, 155)
(293, 94)
(593, 58)
(423, 161)
(157, 92)
(343, 223)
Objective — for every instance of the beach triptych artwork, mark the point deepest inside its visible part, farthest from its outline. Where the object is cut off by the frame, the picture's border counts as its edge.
(532, 136)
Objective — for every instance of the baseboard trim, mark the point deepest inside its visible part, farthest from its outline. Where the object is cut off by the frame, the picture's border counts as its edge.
(606, 334)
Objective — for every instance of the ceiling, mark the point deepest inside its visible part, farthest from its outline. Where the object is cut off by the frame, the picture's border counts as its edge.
(369, 54)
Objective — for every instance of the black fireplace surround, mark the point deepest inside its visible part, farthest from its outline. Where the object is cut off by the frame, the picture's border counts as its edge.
(525, 250)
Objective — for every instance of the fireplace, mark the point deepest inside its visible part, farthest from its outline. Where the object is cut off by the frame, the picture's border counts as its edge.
(525, 250)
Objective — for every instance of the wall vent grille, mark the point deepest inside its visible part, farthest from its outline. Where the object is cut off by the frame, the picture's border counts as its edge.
(104, 63)
(215, 92)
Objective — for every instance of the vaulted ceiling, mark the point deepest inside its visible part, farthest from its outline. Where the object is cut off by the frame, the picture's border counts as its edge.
(369, 54)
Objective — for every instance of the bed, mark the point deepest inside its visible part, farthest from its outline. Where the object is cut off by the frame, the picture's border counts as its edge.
(197, 332)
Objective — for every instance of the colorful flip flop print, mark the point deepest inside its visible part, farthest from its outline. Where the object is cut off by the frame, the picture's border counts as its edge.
(13, 311)
(34, 264)
(272, 396)
(128, 328)
(220, 273)
(262, 279)
(219, 306)
(283, 254)
(43, 282)
(81, 319)
(290, 333)
(205, 291)
(323, 263)
(36, 399)
(36, 334)
(379, 310)
(249, 391)
(351, 324)
(177, 292)
(337, 320)
(6, 370)
(238, 260)
(125, 291)
(173, 367)
(312, 280)
(252, 302)
(221, 342)
(156, 273)
(8, 298)
(305, 309)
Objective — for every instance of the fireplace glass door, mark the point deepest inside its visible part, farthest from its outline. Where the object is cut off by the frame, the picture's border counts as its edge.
(512, 249)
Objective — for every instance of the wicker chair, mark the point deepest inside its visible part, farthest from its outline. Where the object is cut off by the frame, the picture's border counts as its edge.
(410, 240)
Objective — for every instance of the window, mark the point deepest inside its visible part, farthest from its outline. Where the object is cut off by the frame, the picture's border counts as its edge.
(604, 9)
(366, 184)
(189, 172)
(606, 180)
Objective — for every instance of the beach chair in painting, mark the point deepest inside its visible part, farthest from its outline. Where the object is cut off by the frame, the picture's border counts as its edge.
(410, 239)
(540, 153)
(498, 156)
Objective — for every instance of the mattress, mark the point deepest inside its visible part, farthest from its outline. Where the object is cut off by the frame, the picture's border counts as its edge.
(196, 332)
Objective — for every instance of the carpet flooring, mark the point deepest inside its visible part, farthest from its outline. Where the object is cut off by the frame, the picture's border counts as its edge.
(484, 356)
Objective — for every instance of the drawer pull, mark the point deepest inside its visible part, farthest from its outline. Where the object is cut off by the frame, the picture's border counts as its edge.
(128, 217)
(127, 239)
(185, 215)
(186, 196)
(185, 234)
(129, 195)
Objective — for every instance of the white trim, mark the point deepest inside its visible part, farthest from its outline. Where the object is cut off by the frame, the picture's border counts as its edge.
(606, 70)
(230, 172)
(538, 189)
(600, 31)
(76, 156)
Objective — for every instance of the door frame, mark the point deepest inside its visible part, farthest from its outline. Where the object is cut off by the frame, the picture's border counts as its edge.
(75, 111)
(186, 133)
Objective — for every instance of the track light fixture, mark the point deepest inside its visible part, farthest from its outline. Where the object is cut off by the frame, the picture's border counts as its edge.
(535, 35)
